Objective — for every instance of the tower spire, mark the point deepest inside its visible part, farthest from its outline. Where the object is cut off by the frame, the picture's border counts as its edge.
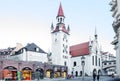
(60, 22)
(60, 11)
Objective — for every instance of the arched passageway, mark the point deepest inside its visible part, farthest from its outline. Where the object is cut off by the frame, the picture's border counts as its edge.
(26, 73)
(49, 73)
(64, 74)
(95, 71)
(99, 72)
(76, 74)
(80, 73)
(10, 72)
(39, 73)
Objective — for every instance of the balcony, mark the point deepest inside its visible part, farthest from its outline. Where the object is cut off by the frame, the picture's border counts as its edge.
(109, 64)
(115, 12)
(116, 25)
(115, 41)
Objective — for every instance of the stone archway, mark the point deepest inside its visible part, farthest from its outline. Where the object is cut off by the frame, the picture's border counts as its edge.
(26, 73)
(64, 74)
(99, 72)
(39, 73)
(80, 73)
(49, 73)
(94, 71)
(10, 72)
(76, 73)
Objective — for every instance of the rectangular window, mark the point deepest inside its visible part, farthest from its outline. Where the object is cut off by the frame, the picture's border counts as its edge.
(93, 60)
(74, 64)
(96, 60)
(105, 63)
(65, 63)
(110, 63)
(99, 61)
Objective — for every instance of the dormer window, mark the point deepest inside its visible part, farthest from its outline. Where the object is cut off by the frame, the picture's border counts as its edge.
(36, 49)
(24, 50)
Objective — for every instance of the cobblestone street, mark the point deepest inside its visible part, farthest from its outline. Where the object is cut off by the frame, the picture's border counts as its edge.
(76, 79)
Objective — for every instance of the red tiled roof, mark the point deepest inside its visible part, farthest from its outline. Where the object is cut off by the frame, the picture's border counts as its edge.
(79, 49)
(60, 11)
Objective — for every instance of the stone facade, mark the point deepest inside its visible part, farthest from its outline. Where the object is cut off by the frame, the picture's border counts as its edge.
(14, 61)
(115, 8)
(46, 70)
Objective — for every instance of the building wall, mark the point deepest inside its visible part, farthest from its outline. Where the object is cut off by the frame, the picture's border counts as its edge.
(118, 55)
(60, 49)
(20, 65)
(90, 64)
(115, 8)
(56, 48)
(118, 2)
(34, 56)
(88, 68)
(30, 56)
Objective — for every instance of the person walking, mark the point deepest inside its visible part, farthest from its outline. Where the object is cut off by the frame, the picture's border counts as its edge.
(94, 76)
(98, 77)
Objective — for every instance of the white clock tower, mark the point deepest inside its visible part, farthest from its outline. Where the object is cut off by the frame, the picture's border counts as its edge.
(60, 41)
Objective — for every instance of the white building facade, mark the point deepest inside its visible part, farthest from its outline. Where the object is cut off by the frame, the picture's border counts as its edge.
(108, 63)
(60, 41)
(91, 51)
(115, 8)
(31, 52)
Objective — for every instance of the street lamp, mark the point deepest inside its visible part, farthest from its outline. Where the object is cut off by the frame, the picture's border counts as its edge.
(18, 72)
(73, 71)
(83, 64)
(1, 69)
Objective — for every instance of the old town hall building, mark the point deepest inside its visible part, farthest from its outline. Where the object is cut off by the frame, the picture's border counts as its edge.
(60, 41)
(30, 62)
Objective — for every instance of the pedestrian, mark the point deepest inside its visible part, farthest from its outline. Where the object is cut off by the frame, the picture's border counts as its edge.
(98, 76)
(94, 76)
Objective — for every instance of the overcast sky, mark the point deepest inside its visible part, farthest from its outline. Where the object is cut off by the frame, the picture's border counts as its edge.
(27, 21)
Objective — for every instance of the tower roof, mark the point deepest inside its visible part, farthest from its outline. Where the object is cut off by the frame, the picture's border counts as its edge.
(60, 11)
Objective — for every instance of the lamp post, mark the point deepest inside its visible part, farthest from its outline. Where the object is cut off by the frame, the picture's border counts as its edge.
(18, 72)
(33, 75)
(1, 69)
(73, 71)
(83, 64)
(45, 65)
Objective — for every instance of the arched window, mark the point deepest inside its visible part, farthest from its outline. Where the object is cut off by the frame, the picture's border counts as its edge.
(60, 20)
(65, 63)
(74, 64)
(37, 49)
(76, 73)
(24, 50)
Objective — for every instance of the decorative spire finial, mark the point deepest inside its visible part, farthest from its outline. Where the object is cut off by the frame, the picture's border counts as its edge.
(52, 27)
(95, 33)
